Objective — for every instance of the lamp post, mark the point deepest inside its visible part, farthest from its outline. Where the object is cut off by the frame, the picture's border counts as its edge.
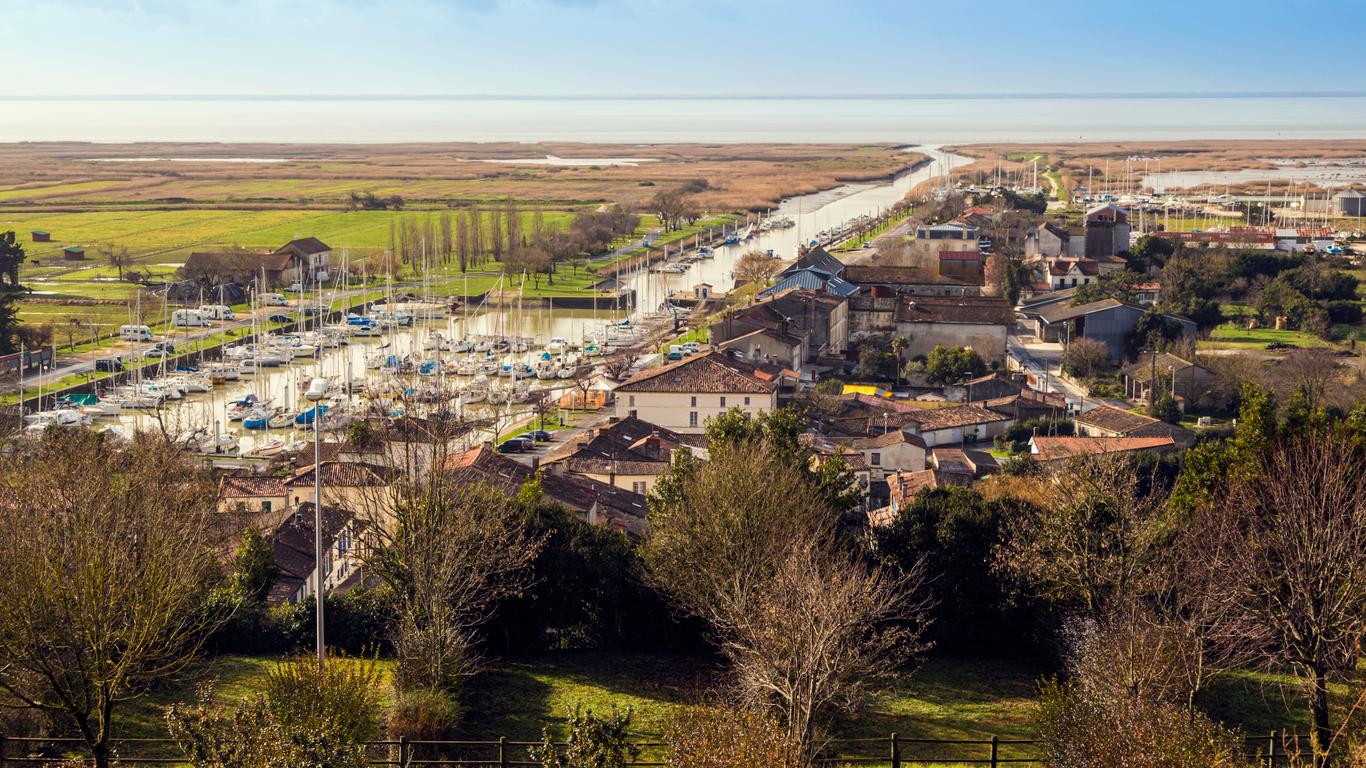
(317, 389)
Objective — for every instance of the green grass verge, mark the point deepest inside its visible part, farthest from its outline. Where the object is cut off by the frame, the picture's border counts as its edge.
(1230, 336)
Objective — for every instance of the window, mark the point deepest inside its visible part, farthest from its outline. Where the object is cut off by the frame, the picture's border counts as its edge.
(692, 418)
(638, 487)
(723, 401)
(875, 459)
(747, 401)
(631, 401)
(694, 401)
(265, 506)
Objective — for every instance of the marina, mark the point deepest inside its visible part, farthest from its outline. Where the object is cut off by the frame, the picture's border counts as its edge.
(495, 357)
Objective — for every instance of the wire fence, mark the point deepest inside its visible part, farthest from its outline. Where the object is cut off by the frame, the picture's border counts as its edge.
(1272, 750)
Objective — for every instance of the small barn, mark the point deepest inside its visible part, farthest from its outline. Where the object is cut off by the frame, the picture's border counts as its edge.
(42, 236)
(73, 252)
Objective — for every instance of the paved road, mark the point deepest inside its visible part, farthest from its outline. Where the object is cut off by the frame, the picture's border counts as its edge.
(1044, 361)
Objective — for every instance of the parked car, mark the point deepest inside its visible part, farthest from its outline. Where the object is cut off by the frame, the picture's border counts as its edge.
(515, 445)
(278, 318)
(108, 365)
(314, 311)
(154, 352)
(539, 435)
(164, 346)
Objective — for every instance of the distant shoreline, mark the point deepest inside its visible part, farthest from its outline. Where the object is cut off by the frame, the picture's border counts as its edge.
(693, 97)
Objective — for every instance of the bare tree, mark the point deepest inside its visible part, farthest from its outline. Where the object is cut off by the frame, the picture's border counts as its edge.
(449, 547)
(617, 367)
(109, 553)
(745, 543)
(71, 327)
(447, 239)
(1291, 539)
(117, 256)
(755, 267)
(462, 241)
(1090, 539)
(671, 206)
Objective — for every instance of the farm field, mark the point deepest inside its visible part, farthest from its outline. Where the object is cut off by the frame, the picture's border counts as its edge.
(166, 237)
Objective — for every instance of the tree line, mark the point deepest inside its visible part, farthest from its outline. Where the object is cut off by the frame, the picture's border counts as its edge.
(519, 242)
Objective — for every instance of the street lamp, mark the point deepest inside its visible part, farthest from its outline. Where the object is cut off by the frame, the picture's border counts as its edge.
(317, 390)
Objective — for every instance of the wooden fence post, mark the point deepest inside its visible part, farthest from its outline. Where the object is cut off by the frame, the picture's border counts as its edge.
(2, 750)
(403, 752)
(503, 752)
(995, 752)
(1271, 750)
(896, 753)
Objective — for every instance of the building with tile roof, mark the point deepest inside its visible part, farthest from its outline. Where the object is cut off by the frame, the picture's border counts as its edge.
(979, 323)
(1050, 449)
(683, 395)
(628, 453)
(1108, 421)
(596, 502)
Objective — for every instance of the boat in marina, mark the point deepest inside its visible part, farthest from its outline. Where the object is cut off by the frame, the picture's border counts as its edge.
(57, 417)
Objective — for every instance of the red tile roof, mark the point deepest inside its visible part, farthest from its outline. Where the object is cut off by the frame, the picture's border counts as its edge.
(239, 486)
(709, 372)
(974, 310)
(1058, 448)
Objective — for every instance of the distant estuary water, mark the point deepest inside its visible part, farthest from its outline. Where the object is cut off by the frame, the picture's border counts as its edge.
(916, 120)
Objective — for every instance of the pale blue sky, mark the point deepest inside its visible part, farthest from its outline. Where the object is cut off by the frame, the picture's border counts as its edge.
(672, 47)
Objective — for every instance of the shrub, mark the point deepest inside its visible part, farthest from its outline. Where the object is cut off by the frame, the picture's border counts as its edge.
(721, 737)
(341, 697)
(423, 714)
(1015, 438)
(250, 735)
(592, 742)
(1075, 731)
(949, 364)
(1167, 409)
(1345, 312)
(1085, 358)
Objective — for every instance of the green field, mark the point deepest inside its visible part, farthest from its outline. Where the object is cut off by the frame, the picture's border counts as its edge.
(1230, 336)
(167, 236)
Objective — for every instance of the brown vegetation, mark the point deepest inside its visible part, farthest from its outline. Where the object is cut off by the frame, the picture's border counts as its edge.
(723, 177)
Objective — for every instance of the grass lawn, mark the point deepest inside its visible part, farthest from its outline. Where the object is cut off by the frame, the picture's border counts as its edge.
(946, 698)
(1230, 336)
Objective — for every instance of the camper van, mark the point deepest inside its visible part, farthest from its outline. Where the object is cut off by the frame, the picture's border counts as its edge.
(216, 312)
(189, 318)
(135, 333)
(274, 300)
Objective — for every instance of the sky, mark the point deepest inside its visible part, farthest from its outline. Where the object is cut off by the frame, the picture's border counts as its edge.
(787, 48)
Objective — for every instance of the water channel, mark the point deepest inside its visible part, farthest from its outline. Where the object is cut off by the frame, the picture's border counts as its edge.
(810, 213)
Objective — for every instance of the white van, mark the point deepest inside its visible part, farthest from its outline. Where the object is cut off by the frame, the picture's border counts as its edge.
(135, 333)
(274, 300)
(216, 312)
(189, 318)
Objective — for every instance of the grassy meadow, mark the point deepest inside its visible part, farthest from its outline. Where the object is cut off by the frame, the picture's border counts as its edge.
(945, 698)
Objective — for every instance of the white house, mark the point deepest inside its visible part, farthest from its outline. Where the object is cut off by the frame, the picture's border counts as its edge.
(681, 396)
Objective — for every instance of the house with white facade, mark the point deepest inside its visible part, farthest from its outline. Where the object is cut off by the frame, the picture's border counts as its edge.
(683, 395)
